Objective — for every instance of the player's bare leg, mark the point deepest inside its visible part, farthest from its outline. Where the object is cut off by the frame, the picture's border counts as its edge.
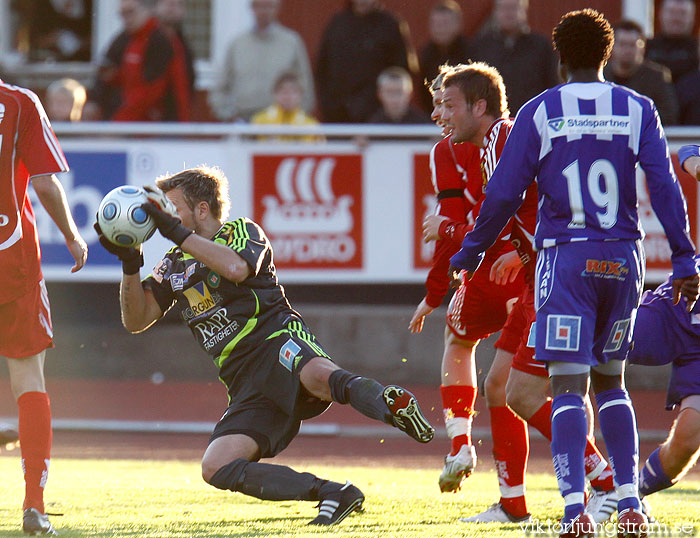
(35, 435)
(672, 460)
(458, 392)
(230, 463)
(510, 448)
(390, 404)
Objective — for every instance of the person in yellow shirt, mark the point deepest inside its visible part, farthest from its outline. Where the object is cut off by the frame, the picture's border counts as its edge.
(286, 110)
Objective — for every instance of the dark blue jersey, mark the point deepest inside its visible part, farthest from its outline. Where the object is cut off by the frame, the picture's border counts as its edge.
(582, 143)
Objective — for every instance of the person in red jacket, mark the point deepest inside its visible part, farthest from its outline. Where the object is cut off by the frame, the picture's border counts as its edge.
(479, 308)
(143, 76)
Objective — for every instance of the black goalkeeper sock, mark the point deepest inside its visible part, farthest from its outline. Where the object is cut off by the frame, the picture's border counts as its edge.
(362, 393)
(267, 482)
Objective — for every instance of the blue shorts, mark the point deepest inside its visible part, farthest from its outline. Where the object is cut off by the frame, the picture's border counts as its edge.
(586, 295)
(660, 339)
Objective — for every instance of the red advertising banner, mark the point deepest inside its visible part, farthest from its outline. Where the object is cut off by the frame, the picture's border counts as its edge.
(311, 208)
(655, 243)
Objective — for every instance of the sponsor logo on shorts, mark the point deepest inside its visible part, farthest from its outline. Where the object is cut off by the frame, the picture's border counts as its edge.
(617, 336)
(288, 353)
(563, 332)
(606, 269)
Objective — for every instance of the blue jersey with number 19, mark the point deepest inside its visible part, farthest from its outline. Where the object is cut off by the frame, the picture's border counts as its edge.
(582, 143)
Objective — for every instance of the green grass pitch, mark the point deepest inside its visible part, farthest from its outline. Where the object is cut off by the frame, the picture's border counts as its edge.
(164, 499)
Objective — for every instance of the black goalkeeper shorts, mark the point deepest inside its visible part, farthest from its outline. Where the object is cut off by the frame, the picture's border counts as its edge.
(272, 404)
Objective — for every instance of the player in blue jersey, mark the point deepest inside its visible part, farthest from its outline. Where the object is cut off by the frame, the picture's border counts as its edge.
(221, 279)
(581, 141)
(667, 333)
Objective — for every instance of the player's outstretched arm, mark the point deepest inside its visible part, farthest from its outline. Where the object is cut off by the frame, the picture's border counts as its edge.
(52, 196)
(220, 258)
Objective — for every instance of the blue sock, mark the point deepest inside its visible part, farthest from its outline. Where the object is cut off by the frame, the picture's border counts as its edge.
(619, 427)
(569, 428)
(652, 477)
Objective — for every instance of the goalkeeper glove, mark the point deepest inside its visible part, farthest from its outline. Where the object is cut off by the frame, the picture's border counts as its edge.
(164, 215)
(131, 258)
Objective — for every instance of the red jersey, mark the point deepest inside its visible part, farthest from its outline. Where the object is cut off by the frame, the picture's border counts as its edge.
(494, 140)
(148, 71)
(28, 147)
(454, 170)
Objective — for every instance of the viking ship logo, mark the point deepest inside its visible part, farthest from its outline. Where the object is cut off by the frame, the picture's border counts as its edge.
(305, 201)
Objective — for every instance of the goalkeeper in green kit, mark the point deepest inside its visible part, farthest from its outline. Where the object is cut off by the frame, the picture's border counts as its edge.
(220, 275)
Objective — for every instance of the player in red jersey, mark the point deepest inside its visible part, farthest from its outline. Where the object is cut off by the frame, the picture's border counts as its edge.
(479, 308)
(29, 150)
(514, 361)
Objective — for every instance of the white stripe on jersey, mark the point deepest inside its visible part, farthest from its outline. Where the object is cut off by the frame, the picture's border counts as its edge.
(489, 159)
(604, 124)
(540, 119)
(433, 171)
(52, 143)
(635, 111)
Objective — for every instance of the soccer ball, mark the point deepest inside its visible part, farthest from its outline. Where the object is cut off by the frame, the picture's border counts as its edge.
(121, 218)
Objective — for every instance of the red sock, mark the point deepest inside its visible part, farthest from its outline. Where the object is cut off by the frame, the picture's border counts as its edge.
(542, 420)
(510, 452)
(593, 458)
(601, 477)
(458, 403)
(35, 442)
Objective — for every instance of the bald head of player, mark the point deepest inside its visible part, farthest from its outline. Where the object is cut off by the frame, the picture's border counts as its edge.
(584, 40)
(473, 97)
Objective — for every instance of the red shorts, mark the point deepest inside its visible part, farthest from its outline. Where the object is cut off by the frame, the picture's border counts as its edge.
(479, 307)
(25, 324)
(516, 333)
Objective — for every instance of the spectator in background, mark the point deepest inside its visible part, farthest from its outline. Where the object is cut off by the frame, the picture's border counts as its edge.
(675, 46)
(447, 45)
(395, 89)
(143, 76)
(171, 14)
(58, 30)
(286, 109)
(254, 61)
(628, 67)
(359, 42)
(65, 99)
(688, 92)
(525, 60)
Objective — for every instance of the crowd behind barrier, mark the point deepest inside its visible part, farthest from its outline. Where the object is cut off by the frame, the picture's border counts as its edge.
(147, 72)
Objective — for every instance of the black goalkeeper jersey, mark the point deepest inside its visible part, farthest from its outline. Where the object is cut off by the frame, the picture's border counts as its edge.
(228, 320)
